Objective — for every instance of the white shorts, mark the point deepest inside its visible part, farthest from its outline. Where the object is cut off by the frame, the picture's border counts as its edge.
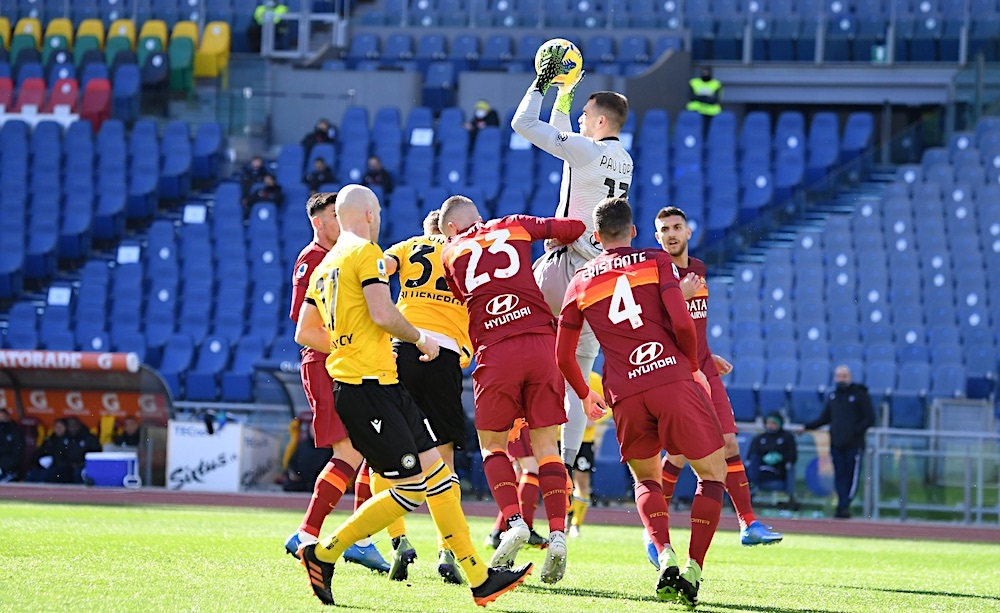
(553, 272)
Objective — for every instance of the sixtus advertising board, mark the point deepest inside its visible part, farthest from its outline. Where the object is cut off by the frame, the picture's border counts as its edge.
(233, 458)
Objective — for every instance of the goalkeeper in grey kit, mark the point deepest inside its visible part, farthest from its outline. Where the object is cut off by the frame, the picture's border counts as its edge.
(595, 166)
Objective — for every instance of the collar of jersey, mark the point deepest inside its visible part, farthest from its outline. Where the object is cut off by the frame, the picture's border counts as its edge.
(609, 138)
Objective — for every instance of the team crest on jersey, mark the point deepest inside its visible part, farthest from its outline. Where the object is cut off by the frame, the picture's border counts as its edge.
(677, 273)
(408, 461)
(301, 270)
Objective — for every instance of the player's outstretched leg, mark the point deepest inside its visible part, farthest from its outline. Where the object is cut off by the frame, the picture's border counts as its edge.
(446, 510)
(329, 488)
(381, 510)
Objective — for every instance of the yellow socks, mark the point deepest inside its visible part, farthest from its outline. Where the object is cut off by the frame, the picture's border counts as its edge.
(398, 527)
(453, 530)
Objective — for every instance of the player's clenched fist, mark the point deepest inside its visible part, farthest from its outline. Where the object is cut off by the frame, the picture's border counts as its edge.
(691, 284)
(428, 346)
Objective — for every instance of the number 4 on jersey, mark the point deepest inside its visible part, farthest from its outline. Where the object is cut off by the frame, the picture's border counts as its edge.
(623, 304)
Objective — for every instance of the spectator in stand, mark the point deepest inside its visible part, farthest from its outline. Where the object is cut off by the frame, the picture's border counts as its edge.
(705, 94)
(320, 174)
(772, 455)
(483, 115)
(269, 192)
(850, 413)
(378, 175)
(11, 448)
(256, 27)
(253, 173)
(307, 460)
(324, 132)
(60, 458)
(129, 436)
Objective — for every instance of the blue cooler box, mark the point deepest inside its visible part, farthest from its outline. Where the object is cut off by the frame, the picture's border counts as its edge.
(112, 468)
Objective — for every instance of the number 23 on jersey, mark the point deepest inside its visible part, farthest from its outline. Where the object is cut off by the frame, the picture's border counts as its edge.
(497, 244)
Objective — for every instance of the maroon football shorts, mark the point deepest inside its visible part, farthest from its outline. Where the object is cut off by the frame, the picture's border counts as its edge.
(327, 427)
(676, 416)
(518, 377)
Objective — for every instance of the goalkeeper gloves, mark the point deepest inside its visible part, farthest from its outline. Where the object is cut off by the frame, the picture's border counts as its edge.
(564, 100)
(551, 67)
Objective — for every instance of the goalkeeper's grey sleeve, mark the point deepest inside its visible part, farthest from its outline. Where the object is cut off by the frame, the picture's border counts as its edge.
(566, 145)
(560, 121)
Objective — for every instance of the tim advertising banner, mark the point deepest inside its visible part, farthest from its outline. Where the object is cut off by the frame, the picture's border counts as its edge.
(234, 458)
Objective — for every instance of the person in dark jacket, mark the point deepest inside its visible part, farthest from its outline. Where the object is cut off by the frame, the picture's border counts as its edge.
(60, 458)
(849, 412)
(11, 448)
(378, 175)
(130, 436)
(253, 173)
(323, 132)
(269, 192)
(320, 174)
(773, 453)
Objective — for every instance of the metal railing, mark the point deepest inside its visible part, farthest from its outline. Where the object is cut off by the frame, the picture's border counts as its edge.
(956, 473)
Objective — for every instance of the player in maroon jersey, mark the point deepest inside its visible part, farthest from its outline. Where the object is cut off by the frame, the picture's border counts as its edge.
(328, 430)
(488, 266)
(673, 233)
(632, 301)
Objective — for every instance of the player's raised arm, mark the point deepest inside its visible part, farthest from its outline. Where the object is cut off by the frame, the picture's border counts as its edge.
(566, 145)
(561, 229)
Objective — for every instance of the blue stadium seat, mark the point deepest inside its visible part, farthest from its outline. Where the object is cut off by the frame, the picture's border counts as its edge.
(908, 403)
(486, 161)
(782, 375)
(363, 47)
(178, 355)
(498, 50)
(175, 172)
(202, 382)
(823, 146)
(208, 148)
(748, 375)
(464, 52)
(237, 380)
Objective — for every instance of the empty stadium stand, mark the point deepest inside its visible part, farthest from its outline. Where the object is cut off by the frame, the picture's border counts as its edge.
(903, 290)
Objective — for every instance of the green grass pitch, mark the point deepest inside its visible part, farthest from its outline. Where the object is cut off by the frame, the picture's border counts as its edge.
(105, 558)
